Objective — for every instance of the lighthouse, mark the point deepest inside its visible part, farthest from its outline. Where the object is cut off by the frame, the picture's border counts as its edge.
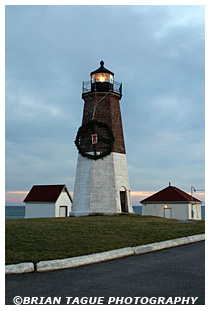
(101, 181)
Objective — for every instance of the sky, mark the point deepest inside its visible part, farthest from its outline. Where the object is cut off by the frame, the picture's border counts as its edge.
(156, 51)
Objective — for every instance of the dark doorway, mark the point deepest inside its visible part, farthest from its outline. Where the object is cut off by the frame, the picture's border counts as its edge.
(123, 201)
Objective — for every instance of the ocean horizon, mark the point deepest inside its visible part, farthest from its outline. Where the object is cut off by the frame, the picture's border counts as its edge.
(18, 211)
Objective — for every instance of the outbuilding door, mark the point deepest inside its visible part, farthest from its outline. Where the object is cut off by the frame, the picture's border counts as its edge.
(63, 211)
(167, 213)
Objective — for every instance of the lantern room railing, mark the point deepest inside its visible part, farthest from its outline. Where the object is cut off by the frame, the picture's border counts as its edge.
(116, 87)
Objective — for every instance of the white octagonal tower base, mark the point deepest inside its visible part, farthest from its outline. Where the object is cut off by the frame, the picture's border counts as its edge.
(100, 184)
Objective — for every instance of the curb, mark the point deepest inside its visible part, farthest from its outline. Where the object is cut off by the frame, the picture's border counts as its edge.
(57, 264)
(19, 268)
(83, 260)
(167, 244)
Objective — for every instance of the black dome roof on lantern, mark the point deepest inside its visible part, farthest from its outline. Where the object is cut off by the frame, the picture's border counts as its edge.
(102, 69)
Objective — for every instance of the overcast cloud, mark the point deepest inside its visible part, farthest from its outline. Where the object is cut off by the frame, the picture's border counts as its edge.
(157, 52)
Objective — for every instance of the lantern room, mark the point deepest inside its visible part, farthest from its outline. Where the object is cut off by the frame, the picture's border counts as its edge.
(102, 80)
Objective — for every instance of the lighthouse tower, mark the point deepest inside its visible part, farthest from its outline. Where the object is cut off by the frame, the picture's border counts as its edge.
(101, 182)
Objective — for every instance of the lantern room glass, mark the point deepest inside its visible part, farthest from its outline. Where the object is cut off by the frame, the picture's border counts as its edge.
(102, 77)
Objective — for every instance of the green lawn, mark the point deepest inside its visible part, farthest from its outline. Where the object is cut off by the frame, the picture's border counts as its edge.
(55, 238)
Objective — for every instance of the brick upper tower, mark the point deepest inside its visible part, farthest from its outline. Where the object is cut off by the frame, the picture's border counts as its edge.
(102, 183)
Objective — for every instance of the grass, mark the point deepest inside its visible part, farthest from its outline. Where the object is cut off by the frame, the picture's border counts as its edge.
(56, 238)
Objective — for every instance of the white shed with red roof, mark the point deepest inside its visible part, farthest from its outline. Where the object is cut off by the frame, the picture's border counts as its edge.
(48, 201)
(172, 202)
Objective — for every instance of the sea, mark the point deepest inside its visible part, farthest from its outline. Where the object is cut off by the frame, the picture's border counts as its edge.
(14, 212)
(17, 212)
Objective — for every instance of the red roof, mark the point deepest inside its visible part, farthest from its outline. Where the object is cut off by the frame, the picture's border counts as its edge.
(45, 193)
(170, 194)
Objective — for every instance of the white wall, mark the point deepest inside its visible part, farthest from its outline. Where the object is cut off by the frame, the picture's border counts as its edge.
(179, 210)
(82, 188)
(63, 200)
(98, 183)
(39, 210)
(153, 209)
(197, 214)
(122, 180)
(103, 191)
(196, 209)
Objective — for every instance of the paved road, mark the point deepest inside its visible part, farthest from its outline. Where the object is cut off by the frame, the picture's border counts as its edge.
(175, 272)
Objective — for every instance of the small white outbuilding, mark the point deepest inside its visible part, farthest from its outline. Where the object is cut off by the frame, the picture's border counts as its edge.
(48, 201)
(172, 202)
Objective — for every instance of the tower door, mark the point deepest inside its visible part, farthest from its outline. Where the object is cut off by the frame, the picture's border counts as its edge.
(123, 202)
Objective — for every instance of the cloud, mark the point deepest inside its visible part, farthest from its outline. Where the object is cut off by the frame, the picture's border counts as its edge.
(158, 54)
